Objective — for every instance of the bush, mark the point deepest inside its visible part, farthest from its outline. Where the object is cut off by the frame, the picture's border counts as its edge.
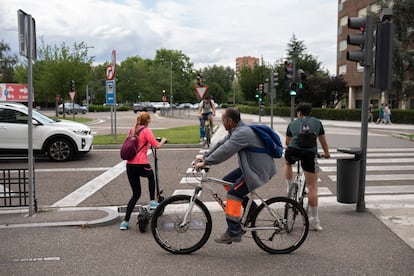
(397, 116)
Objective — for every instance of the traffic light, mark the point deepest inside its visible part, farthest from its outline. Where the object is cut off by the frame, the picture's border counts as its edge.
(302, 77)
(275, 79)
(363, 39)
(290, 74)
(200, 80)
(163, 92)
(72, 85)
(290, 70)
(261, 92)
(384, 54)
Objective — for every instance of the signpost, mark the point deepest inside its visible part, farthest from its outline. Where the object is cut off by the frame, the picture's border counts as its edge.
(27, 48)
(110, 86)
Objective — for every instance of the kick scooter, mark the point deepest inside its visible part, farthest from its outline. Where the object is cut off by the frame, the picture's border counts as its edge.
(144, 212)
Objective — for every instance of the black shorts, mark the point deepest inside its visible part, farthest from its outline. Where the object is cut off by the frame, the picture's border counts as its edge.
(308, 159)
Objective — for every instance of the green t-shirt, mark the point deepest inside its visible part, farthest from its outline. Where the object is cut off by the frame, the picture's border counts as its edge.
(295, 126)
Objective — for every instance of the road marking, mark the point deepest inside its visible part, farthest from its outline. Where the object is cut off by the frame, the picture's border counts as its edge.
(382, 177)
(41, 259)
(73, 170)
(372, 161)
(79, 195)
(375, 168)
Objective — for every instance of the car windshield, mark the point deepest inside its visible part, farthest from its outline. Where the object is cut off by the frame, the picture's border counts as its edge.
(41, 117)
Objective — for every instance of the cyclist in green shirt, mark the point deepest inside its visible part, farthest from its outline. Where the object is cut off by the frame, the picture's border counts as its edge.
(307, 154)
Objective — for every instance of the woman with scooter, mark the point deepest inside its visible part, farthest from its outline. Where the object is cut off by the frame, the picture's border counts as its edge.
(139, 166)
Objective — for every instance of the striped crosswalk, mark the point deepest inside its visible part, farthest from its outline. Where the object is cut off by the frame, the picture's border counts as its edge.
(394, 165)
(386, 170)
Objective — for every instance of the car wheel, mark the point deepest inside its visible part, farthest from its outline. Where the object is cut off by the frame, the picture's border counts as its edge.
(60, 149)
(154, 110)
(83, 111)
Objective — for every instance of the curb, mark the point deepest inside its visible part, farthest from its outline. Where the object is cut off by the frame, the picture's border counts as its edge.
(111, 217)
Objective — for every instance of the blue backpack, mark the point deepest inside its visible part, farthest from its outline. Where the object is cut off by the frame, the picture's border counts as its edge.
(273, 145)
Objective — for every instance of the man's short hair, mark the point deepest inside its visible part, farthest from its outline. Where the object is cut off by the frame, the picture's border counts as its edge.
(233, 114)
(207, 97)
(304, 108)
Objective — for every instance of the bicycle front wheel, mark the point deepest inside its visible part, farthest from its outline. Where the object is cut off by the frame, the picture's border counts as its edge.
(208, 135)
(168, 229)
(277, 233)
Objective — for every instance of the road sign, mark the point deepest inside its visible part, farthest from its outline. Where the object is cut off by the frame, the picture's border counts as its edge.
(201, 91)
(110, 74)
(72, 95)
(110, 92)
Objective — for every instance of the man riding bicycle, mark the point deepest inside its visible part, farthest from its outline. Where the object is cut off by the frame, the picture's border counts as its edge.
(255, 169)
(206, 110)
(296, 150)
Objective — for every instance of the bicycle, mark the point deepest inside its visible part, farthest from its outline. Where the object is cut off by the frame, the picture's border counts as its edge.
(207, 131)
(182, 224)
(297, 189)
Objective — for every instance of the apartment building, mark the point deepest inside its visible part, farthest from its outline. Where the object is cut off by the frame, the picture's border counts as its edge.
(245, 61)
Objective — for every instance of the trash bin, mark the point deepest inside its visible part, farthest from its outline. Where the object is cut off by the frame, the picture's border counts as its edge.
(347, 176)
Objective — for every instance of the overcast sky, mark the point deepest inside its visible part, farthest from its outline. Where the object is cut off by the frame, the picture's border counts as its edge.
(213, 32)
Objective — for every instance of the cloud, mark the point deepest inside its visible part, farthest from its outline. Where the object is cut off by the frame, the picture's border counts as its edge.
(209, 32)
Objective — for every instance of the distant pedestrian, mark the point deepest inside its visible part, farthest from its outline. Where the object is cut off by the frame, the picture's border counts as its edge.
(381, 114)
(387, 114)
(370, 114)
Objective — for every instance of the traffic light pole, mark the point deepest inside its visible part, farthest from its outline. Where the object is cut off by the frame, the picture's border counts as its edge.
(366, 90)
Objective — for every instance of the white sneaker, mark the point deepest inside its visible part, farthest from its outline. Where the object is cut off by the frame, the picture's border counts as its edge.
(315, 224)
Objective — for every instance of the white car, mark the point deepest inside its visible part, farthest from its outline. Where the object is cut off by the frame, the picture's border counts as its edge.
(60, 140)
(161, 105)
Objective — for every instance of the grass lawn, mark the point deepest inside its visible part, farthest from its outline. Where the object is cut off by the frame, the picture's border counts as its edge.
(177, 135)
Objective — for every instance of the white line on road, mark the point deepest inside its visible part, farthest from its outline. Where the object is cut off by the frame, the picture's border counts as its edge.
(375, 168)
(76, 197)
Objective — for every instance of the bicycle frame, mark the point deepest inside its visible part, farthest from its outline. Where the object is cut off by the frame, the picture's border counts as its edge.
(301, 181)
(204, 183)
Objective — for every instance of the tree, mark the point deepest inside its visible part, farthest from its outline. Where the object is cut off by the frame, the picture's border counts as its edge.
(179, 67)
(317, 85)
(7, 63)
(220, 76)
(56, 67)
(403, 55)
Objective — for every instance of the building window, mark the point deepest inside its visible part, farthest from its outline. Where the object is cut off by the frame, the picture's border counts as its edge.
(342, 45)
(375, 8)
(342, 69)
(362, 12)
(343, 21)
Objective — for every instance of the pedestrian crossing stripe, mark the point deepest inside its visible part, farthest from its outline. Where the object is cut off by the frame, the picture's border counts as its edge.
(372, 161)
(382, 177)
(374, 168)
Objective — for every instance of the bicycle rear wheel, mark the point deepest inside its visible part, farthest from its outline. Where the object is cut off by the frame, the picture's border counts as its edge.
(277, 233)
(176, 238)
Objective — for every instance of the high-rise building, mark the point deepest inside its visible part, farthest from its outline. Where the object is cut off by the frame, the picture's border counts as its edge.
(245, 61)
